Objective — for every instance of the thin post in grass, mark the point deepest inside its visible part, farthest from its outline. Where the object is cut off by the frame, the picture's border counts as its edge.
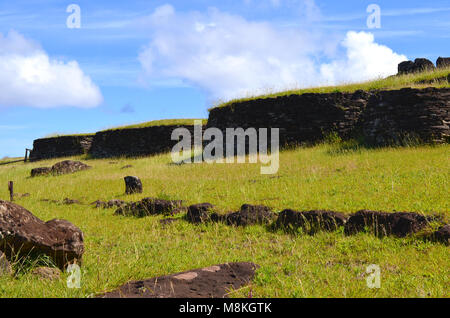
(11, 190)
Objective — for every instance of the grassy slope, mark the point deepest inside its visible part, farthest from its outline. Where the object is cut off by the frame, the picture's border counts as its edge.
(119, 249)
(435, 78)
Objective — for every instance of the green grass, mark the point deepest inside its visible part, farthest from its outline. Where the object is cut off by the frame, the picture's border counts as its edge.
(56, 135)
(119, 249)
(433, 78)
(162, 122)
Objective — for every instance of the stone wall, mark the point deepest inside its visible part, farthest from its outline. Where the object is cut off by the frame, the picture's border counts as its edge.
(134, 141)
(62, 146)
(380, 117)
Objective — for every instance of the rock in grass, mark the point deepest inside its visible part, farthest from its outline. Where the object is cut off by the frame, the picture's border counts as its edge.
(132, 185)
(199, 213)
(23, 234)
(68, 166)
(311, 221)
(210, 282)
(63, 167)
(49, 273)
(382, 223)
(150, 206)
(250, 214)
(41, 171)
(443, 234)
(5, 266)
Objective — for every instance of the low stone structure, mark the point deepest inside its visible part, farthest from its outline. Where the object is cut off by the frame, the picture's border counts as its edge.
(377, 117)
(134, 142)
(61, 146)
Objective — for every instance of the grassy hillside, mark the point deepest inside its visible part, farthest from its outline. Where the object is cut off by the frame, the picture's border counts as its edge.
(433, 78)
(119, 249)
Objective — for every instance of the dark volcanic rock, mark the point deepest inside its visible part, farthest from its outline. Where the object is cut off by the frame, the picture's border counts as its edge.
(443, 234)
(133, 142)
(68, 166)
(443, 62)
(382, 223)
(249, 215)
(5, 266)
(423, 64)
(419, 65)
(199, 213)
(210, 282)
(23, 233)
(311, 221)
(150, 206)
(42, 171)
(132, 185)
(62, 146)
(406, 67)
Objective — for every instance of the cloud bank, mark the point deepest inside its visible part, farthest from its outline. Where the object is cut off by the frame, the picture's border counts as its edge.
(229, 56)
(29, 77)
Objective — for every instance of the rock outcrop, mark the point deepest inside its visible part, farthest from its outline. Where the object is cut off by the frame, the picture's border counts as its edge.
(150, 206)
(63, 167)
(24, 234)
(210, 282)
(443, 62)
(419, 65)
(398, 224)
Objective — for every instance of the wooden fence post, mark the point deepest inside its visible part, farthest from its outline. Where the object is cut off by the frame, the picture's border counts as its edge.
(11, 190)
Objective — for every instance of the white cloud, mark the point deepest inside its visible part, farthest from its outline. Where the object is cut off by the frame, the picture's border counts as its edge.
(29, 77)
(364, 59)
(229, 56)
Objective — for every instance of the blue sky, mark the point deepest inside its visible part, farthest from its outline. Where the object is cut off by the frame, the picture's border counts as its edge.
(134, 61)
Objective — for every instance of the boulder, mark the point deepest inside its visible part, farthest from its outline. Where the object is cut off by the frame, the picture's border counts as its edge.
(419, 65)
(382, 223)
(422, 64)
(250, 215)
(406, 67)
(132, 185)
(311, 221)
(24, 234)
(5, 266)
(41, 171)
(443, 62)
(199, 213)
(443, 234)
(68, 166)
(150, 206)
(49, 273)
(211, 282)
